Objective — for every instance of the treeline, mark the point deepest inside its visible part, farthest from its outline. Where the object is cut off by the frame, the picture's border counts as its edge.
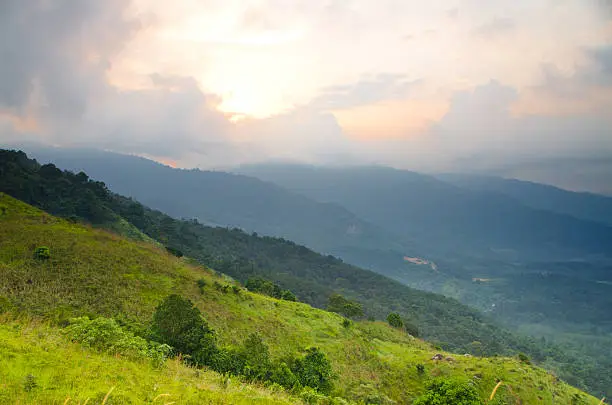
(312, 277)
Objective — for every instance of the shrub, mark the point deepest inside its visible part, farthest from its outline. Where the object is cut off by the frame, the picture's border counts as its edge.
(42, 253)
(449, 392)
(29, 383)
(178, 323)
(339, 304)
(282, 375)
(201, 284)
(174, 251)
(288, 296)
(256, 357)
(263, 286)
(314, 370)
(395, 320)
(420, 368)
(105, 334)
(347, 323)
(523, 358)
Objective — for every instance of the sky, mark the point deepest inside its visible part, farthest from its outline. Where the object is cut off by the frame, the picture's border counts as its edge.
(519, 88)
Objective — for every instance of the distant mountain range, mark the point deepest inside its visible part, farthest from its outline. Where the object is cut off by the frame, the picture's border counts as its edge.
(458, 215)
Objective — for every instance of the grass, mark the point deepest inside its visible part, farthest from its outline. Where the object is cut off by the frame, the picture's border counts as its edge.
(66, 373)
(93, 272)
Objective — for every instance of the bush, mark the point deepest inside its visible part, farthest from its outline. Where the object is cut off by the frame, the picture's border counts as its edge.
(42, 253)
(523, 358)
(288, 296)
(105, 334)
(263, 286)
(178, 323)
(420, 368)
(256, 356)
(395, 320)
(449, 392)
(347, 323)
(339, 304)
(314, 370)
(282, 375)
(201, 284)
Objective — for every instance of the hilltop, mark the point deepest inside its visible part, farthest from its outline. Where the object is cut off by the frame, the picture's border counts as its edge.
(93, 272)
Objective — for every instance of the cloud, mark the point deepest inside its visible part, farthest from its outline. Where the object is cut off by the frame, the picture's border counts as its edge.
(497, 26)
(382, 87)
(333, 79)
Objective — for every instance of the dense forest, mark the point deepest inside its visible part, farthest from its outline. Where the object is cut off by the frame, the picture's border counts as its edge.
(313, 278)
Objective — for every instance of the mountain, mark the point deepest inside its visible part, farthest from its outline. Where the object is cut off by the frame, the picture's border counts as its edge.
(48, 356)
(587, 206)
(312, 277)
(224, 199)
(445, 218)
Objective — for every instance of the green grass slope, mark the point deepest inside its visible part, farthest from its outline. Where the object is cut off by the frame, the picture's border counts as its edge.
(93, 272)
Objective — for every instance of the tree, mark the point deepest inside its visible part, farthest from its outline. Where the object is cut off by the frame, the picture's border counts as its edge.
(178, 323)
(314, 370)
(449, 392)
(341, 305)
(395, 320)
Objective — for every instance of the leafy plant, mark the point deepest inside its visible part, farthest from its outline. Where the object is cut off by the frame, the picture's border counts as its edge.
(178, 323)
(339, 304)
(42, 253)
(449, 392)
(105, 334)
(314, 370)
(395, 320)
(29, 384)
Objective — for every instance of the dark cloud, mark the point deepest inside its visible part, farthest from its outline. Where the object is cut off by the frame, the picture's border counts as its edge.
(58, 51)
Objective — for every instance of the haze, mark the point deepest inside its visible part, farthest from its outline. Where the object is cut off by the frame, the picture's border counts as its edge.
(517, 88)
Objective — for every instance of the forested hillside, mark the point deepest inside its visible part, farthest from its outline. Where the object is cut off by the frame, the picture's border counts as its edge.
(82, 311)
(312, 277)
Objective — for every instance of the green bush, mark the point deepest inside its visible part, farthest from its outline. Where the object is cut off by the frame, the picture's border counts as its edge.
(263, 286)
(420, 368)
(282, 375)
(178, 323)
(288, 296)
(314, 370)
(449, 392)
(341, 305)
(523, 358)
(42, 253)
(256, 358)
(105, 334)
(395, 320)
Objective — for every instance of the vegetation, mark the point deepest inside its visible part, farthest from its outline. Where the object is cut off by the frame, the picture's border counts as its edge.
(450, 392)
(95, 273)
(262, 286)
(312, 277)
(395, 320)
(341, 305)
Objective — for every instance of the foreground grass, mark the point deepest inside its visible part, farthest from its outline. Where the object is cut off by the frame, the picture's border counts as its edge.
(39, 366)
(92, 272)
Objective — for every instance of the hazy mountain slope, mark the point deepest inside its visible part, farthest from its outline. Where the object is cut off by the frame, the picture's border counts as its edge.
(96, 273)
(311, 276)
(586, 206)
(224, 199)
(444, 217)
